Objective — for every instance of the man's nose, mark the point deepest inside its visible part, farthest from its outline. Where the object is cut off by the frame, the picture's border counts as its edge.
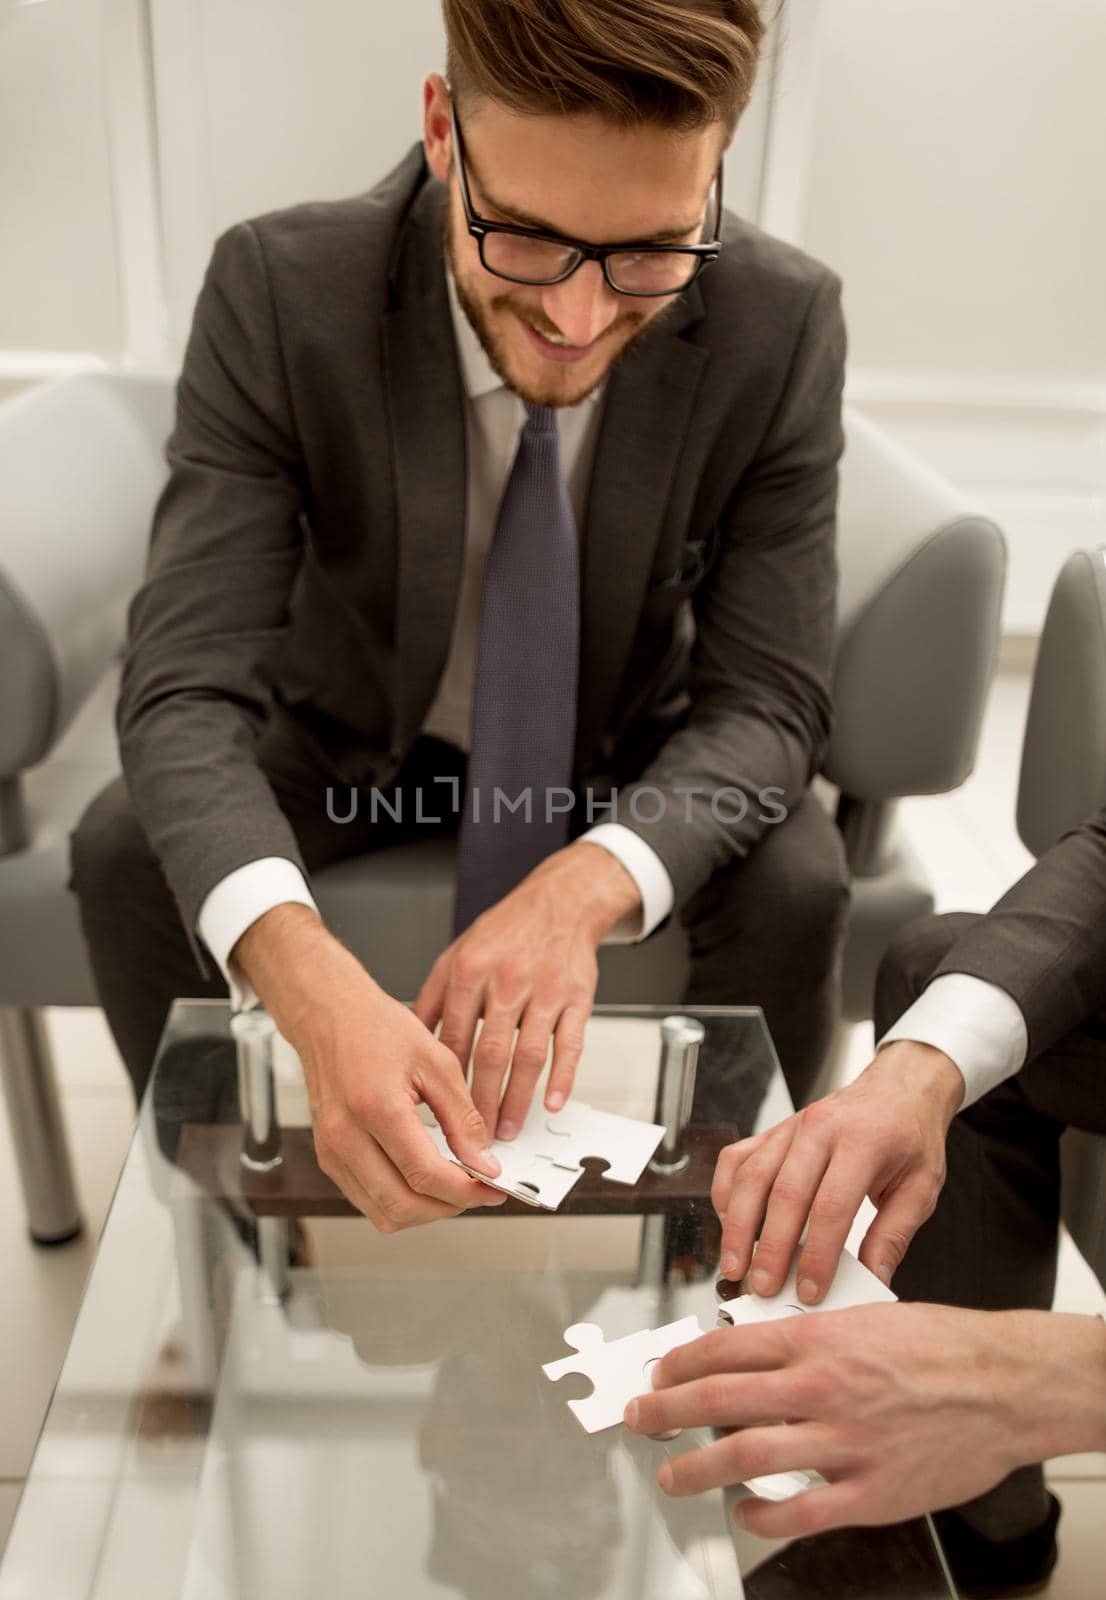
(582, 307)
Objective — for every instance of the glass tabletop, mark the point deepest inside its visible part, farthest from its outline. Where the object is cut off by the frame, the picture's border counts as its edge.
(263, 1396)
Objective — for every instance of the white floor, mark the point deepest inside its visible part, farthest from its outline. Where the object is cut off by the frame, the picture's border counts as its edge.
(969, 845)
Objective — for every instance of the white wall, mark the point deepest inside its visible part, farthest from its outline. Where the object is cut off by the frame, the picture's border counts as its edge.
(956, 182)
(946, 157)
(59, 282)
(263, 103)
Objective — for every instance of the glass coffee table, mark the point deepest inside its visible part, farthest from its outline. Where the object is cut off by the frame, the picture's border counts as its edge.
(264, 1397)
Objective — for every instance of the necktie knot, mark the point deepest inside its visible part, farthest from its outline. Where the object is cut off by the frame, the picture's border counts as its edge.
(540, 419)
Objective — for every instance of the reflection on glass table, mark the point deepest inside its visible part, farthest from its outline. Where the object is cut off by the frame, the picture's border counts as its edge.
(265, 1397)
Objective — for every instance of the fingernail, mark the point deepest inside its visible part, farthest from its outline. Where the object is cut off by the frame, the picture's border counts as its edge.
(664, 1478)
(506, 1130)
(739, 1514)
(555, 1101)
(760, 1281)
(492, 1161)
(883, 1273)
(629, 1416)
(655, 1375)
(729, 1265)
(808, 1289)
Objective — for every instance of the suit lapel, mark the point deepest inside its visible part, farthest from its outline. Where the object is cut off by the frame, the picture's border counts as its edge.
(646, 413)
(425, 402)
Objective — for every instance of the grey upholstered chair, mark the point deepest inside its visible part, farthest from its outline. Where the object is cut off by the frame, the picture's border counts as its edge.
(1063, 782)
(80, 466)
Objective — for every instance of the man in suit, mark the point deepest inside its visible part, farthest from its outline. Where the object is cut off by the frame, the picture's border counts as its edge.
(992, 1041)
(509, 475)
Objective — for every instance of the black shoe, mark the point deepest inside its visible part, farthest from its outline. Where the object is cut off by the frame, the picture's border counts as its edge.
(998, 1569)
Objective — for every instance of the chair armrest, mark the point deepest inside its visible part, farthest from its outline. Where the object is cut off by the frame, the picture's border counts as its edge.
(80, 472)
(922, 577)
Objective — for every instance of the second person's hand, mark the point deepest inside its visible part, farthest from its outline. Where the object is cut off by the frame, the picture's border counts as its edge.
(882, 1136)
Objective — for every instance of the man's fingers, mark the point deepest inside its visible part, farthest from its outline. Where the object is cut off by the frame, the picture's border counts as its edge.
(460, 1009)
(895, 1225)
(835, 1207)
(752, 1453)
(568, 1047)
(720, 1400)
(445, 1091)
(527, 1065)
(788, 1207)
(728, 1165)
(490, 1062)
(378, 1189)
(813, 1511)
(748, 1200)
(411, 1150)
(758, 1347)
(428, 1002)
(356, 1193)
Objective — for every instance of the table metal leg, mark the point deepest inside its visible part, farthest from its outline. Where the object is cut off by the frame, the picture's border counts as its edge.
(274, 1249)
(254, 1033)
(38, 1128)
(680, 1041)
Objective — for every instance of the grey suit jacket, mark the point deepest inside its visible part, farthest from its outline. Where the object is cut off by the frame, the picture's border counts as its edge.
(1044, 942)
(306, 552)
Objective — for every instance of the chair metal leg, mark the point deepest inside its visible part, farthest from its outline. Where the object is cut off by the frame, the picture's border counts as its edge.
(38, 1130)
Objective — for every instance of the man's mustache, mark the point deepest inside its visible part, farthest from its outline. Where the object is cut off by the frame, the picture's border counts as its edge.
(505, 302)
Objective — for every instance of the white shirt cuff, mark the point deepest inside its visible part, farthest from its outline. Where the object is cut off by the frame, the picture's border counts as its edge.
(235, 904)
(976, 1024)
(649, 873)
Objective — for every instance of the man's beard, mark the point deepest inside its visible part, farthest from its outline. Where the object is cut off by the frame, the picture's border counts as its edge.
(635, 323)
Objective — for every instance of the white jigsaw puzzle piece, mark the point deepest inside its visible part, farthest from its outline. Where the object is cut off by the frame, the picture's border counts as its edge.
(580, 1133)
(527, 1174)
(619, 1371)
(544, 1162)
(853, 1285)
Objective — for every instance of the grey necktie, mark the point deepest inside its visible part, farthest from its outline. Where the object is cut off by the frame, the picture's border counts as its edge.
(527, 663)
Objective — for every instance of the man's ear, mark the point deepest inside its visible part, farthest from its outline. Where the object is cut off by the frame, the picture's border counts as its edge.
(437, 127)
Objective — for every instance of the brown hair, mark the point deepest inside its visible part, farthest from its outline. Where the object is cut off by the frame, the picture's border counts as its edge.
(681, 63)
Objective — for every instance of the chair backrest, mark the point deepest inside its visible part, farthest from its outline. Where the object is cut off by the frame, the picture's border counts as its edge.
(921, 582)
(81, 465)
(1063, 770)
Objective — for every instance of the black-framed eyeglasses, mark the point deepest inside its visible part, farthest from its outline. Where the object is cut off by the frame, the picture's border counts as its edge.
(528, 255)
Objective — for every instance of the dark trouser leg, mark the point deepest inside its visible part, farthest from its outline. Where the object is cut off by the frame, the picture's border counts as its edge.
(140, 955)
(991, 1244)
(770, 931)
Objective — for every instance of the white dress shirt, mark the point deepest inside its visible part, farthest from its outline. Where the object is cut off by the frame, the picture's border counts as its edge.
(494, 418)
(975, 1023)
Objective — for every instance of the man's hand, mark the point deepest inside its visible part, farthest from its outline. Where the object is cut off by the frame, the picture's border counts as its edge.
(368, 1062)
(528, 964)
(904, 1409)
(882, 1136)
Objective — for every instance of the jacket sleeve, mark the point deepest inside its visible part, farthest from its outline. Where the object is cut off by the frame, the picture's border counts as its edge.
(760, 671)
(1044, 942)
(224, 552)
